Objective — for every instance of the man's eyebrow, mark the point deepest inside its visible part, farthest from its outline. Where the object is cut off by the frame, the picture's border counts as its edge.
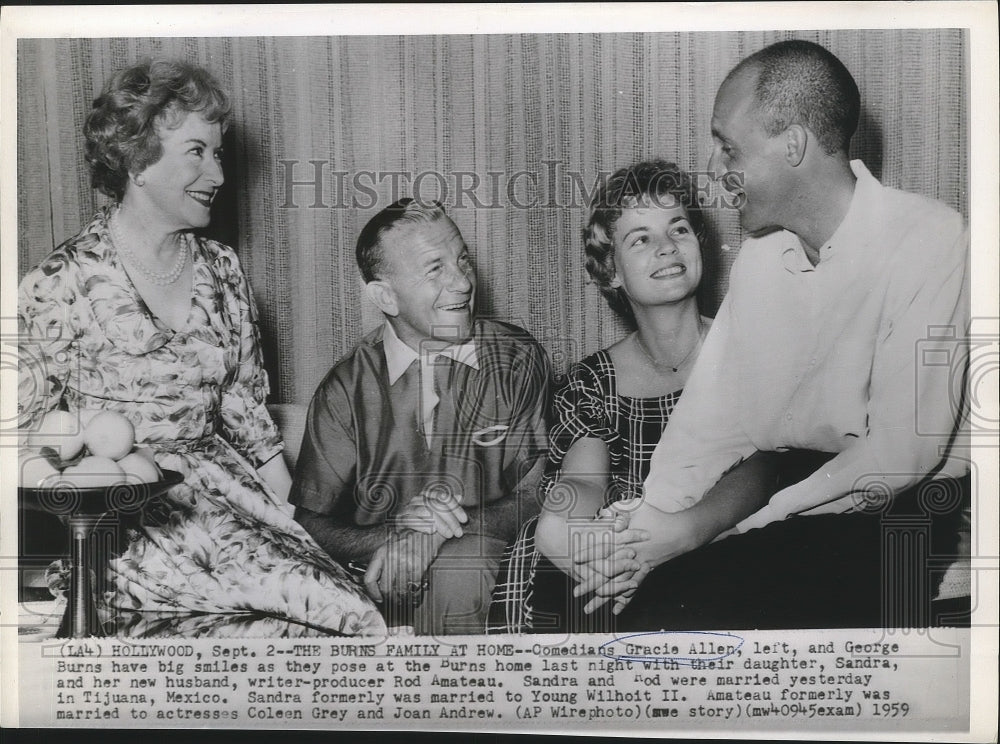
(427, 258)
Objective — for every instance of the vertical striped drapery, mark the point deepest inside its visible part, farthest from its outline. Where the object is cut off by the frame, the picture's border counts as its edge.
(523, 123)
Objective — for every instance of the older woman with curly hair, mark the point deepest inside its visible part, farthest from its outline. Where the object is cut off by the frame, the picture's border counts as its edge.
(139, 314)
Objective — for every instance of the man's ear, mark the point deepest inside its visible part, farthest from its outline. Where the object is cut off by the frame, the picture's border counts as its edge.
(796, 141)
(383, 296)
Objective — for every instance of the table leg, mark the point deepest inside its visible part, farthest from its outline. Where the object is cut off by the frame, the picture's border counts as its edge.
(81, 619)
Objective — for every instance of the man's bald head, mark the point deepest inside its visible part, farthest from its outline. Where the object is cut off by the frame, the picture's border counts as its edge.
(799, 82)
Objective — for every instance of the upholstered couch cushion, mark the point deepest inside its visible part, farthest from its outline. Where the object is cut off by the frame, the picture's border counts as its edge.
(291, 421)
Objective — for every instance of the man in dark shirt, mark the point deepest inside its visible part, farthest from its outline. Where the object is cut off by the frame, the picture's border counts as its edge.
(423, 446)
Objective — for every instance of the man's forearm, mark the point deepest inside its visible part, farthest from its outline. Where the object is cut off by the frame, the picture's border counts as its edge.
(344, 543)
(499, 519)
(739, 493)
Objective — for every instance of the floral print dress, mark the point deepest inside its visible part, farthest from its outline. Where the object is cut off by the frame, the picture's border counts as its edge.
(221, 542)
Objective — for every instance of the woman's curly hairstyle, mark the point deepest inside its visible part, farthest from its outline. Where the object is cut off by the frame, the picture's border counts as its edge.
(653, 182)
(121, 129)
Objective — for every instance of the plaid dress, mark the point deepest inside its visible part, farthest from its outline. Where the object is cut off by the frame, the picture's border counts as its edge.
(588, 405)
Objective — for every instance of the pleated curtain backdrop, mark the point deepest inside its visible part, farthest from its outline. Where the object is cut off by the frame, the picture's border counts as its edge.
(535, 118)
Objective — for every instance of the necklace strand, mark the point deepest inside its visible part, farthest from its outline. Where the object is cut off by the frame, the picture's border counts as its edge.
(663, 366)
(159, 278)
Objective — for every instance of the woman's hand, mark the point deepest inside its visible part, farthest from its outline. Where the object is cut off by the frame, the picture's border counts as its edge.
(668, 536)
(741, 491)
(616, 577)
(619, 590)
(561, 540)
(607, 560)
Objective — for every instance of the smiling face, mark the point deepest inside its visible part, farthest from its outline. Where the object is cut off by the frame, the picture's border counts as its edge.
(757, 182)
(177, 190)
(429, 287)
(657, 254)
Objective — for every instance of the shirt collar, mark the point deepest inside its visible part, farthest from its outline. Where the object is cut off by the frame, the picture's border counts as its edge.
(399, 356)
(852, 232)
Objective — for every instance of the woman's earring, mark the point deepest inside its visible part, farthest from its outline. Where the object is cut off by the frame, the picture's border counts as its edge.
(138, 180)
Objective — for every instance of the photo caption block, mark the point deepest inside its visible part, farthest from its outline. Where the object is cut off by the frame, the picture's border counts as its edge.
(861, 680)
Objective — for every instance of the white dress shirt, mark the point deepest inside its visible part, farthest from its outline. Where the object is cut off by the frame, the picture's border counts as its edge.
(854, 356)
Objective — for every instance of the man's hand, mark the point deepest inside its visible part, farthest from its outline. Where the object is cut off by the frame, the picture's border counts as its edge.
(672, 535)
(396, 570)
(434, 511)
(605, 558)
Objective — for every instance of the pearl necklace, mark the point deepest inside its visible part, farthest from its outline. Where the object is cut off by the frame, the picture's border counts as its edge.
(159, 278)
(663, 366)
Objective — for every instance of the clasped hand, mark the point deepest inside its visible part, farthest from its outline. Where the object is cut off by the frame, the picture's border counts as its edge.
(397, 568)
(433, 511)
(608, 576)
(607, 560)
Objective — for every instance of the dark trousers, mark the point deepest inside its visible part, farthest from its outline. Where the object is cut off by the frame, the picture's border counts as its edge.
(877, 568)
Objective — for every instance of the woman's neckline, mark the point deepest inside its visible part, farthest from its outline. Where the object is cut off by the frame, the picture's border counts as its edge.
(637, 398)
(628, 347)
(134, 290)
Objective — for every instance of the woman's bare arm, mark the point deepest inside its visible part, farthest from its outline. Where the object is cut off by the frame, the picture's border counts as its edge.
(568, 515)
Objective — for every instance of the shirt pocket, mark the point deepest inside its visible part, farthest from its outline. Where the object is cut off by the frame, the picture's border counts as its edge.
(491, 436)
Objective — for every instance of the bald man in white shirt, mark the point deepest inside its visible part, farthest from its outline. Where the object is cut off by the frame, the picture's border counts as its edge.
(834, 302)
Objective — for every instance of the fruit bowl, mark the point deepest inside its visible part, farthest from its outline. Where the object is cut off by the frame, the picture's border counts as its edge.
(62, 497)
